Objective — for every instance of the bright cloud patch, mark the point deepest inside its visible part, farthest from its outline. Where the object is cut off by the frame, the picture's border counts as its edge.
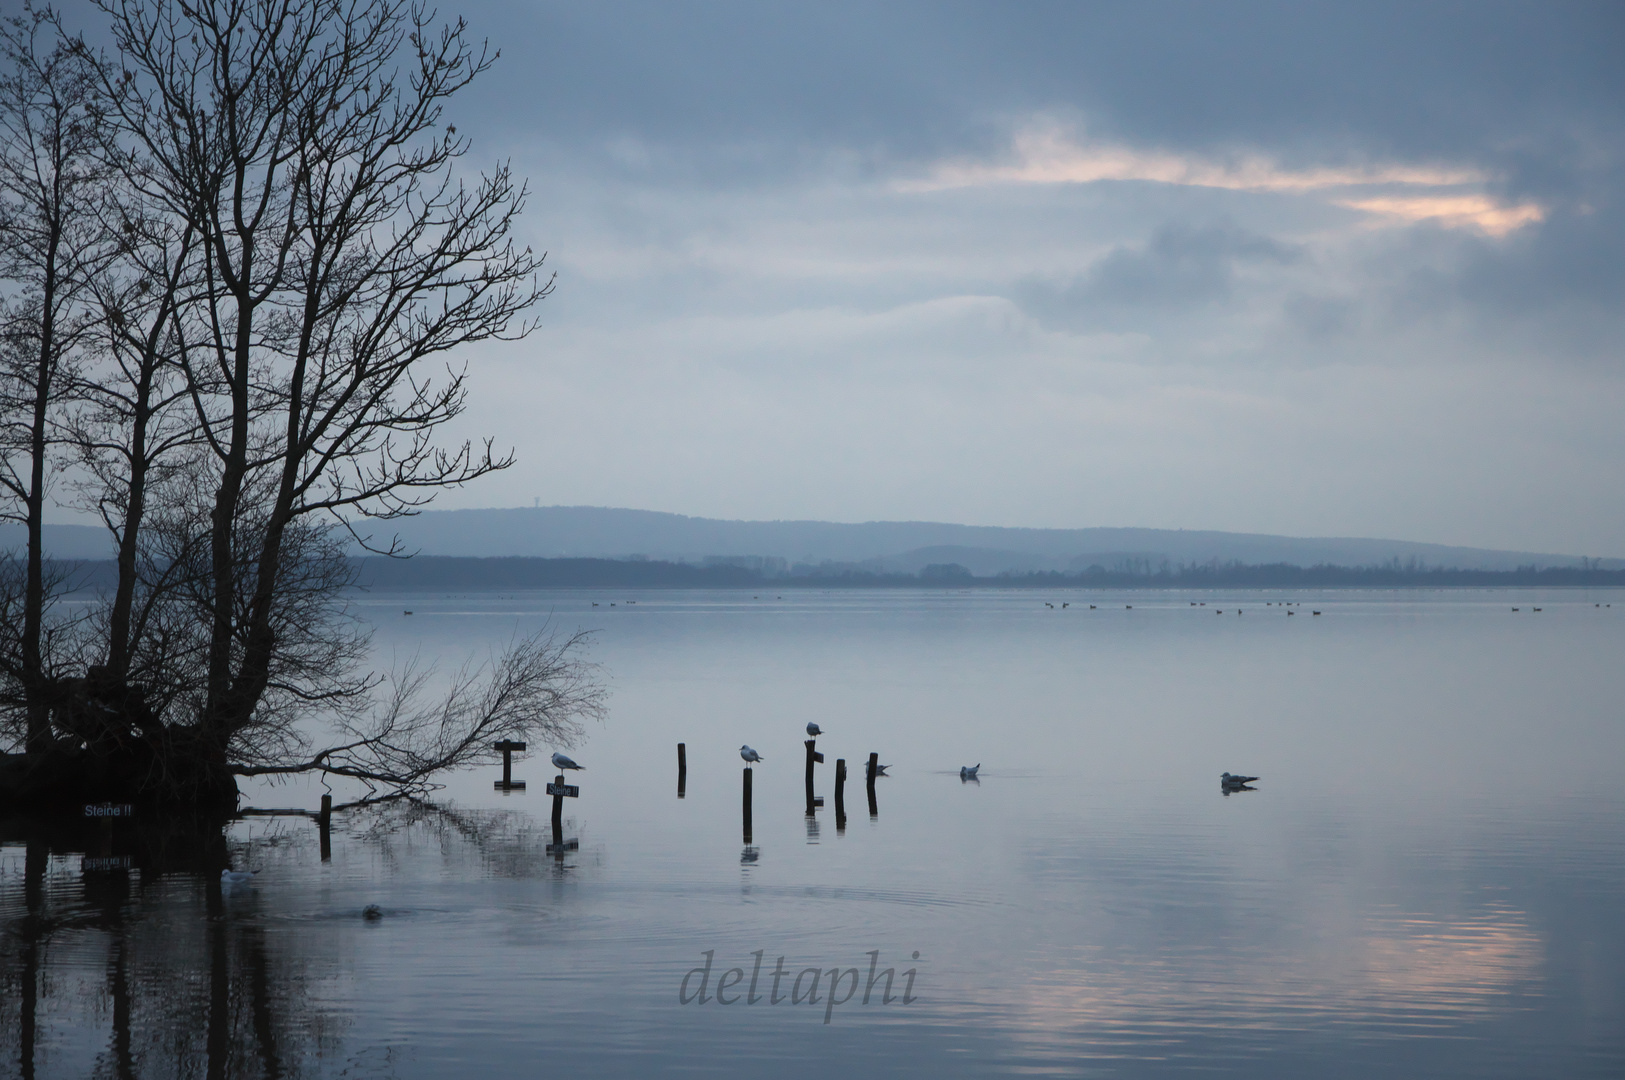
(1048, 154)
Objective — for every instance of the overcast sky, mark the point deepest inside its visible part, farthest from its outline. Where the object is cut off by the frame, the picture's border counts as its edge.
(1294, 268)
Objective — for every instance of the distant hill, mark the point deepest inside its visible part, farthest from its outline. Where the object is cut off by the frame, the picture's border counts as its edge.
(590, 532)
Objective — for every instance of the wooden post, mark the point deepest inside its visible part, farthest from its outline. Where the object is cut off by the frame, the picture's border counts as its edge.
(811, 752)
(840, 795)
(874, 770)
(558, 813)
(682, 770)
(324, 826)
(749, 772)
(507, 747)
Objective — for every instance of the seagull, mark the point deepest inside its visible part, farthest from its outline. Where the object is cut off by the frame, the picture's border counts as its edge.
(814, 730)
(232, 879)
(880, 770)
(1236, 780)
(372, 913)
(562, 762)
(968, 772)
(751, 757)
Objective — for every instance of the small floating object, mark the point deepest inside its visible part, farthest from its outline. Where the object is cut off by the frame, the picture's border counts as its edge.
(1231, 778)
(372, 913)
(1534, 609)
(409, 613)
(236, 879)
(1314, 613)
(1128, 607)
(1514, 609)
(968, 772)
(751, 757)
(1091, 607)
(562, 762)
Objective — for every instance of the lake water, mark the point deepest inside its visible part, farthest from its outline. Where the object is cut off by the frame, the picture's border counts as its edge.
(1429, 879)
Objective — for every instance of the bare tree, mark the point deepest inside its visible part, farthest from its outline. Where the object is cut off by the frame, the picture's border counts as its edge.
(268, 292)
(302, 143)
(52, 246)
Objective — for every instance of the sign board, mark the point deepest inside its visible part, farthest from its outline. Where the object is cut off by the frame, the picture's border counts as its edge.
(109, 810)
(569, 791)
(105, 862)
(508, 745)
(818, 756)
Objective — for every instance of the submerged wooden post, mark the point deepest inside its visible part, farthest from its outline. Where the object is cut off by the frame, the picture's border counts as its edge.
(812, 753)
(840, 795)
(682, 770)
(874, 770)
(507, 747)
(324, 825)
(558, 812)
(749, 772)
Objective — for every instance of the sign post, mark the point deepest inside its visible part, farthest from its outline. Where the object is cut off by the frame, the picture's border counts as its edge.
(507, 747)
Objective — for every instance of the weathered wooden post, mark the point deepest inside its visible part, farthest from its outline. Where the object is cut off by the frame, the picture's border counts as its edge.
(874, 770)
(812, 756)
(749, 772)
(324, 826)
(558, 811)
(507, 747)
(561, 791)
(840, 795)
(682, 770)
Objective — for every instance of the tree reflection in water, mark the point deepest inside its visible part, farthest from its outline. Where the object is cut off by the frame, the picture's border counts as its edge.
(120, 957)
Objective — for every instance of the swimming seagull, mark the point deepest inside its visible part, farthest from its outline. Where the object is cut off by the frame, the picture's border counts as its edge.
(814, 730)
(1236, 781)
(562, 762)
(233, 879)
(968, 772)
(751, 757)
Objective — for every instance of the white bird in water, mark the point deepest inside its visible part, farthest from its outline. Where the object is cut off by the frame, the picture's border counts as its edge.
(968, 772)
(562, 762)
(751, 757)
(814, 730)
(233, 879)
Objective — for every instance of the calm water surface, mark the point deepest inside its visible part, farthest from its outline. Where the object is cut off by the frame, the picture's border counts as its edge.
(1428, 880)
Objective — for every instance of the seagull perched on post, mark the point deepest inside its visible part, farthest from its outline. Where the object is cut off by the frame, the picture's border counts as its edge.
(814, 730)
(751, 757)
(562, 762)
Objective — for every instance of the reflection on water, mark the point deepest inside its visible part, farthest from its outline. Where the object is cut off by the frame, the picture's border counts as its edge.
(1082, 906)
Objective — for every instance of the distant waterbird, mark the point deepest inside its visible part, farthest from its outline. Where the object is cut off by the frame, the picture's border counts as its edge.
(814, 730)
(751, 757)
(968, 772)
(562, 762)
(1235, 781)
(372, 913)
(236, 879)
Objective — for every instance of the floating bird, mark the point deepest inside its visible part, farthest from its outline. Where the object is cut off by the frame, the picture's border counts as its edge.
(968, 772)
(372, 913)
(562, 762)
(814, 730)
(1067, 604)
(751, 757)
(1236, 781)
(234, 879)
